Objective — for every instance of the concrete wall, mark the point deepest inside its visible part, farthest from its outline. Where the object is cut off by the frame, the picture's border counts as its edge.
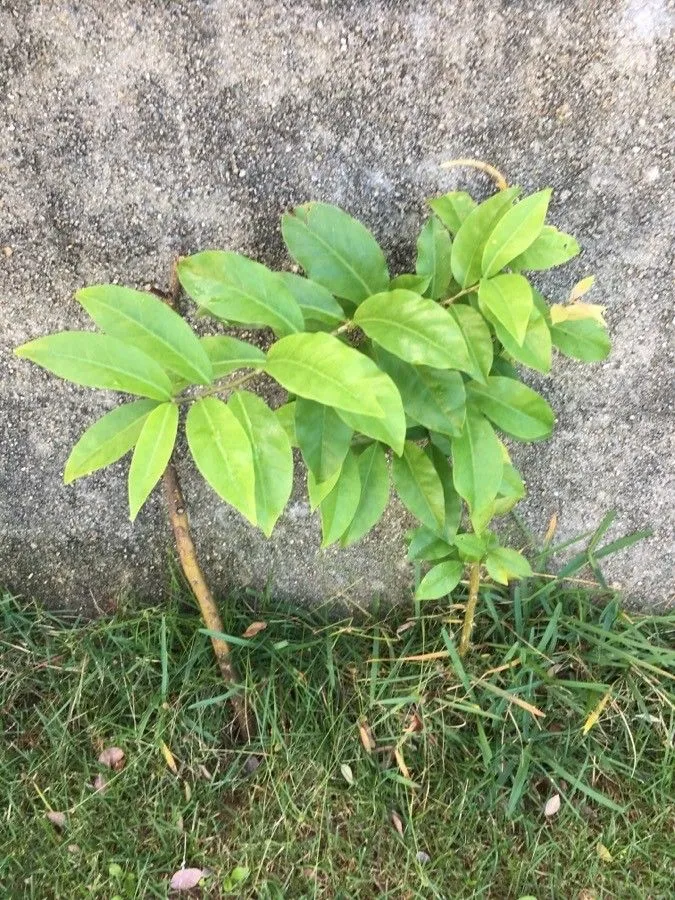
(133, 130)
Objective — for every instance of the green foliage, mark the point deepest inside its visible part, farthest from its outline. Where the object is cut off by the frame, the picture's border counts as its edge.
(407, 379)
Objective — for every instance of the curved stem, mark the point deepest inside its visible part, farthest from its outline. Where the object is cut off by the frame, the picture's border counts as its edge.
(470, 613)
(494, 173)
(221, 388)
(187, 555)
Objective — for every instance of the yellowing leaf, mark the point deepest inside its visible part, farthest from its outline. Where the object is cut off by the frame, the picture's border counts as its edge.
(169, 757)
(550, 531)
(400, 762)
(603, 853)
(581, 287)
(597, 712)
(367, 738)
(576, 311)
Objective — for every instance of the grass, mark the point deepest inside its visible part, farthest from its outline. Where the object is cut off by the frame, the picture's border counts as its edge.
(465, 754)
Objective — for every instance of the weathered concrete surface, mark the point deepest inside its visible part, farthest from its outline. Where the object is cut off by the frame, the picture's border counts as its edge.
(133, 131)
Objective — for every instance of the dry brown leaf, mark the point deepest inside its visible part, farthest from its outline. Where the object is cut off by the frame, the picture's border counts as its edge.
(254, 628)
(552, 805)
(58, 819)
(186, 879)
(400, 762)
(367, 738)
(550, 531)
(100, 784)
(204, 772)
(415, 722)
(169, 757)
(406, 625)
(113, 757)
(396, 822)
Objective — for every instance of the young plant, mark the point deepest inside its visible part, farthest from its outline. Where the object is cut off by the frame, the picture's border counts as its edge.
(409, 379)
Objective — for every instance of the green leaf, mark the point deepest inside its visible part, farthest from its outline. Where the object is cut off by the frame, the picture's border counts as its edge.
(513, 407)
(323, 437)
(108, 439)
(433, 397)
(286, 416)
(514, 232)
(147, 323)
(503, 565)
(433, 258)
(470, 240)
(391, 428)
(227, 354)
(535, 351)
(452, 209)
(425, 544)
(419, 486)
(335, 250)
(374, 476)
(507, 300)
(151, 454)
(222, 453)
(237, 289)
(477, 466)
(99, 361)
(416, 283)
(340, 505)
(319, 491)
(583, 339)
(317, 304)
(414, 328)
(440, 581)
(511, 490)
(551, 248)
(272, 457)
(452, 501)
(477, 337)
(320, 367)
(471, 547)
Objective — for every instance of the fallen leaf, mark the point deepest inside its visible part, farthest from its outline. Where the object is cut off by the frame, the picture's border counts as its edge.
(550, 531)
(186, 879)
(73, 848)
(603, 853)
(415, 722)
(100, 784)
(396, 822)
(204, 772)
(422, 857)
(400, 762)
(406, 625)
(347, 773)
(251, 764)
(254, 628)
(58, 819)
(366, 737)
(169, 757)
(552, 805)
(113, 757)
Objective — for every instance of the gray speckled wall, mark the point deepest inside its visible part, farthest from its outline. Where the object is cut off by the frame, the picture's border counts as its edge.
(133, 131)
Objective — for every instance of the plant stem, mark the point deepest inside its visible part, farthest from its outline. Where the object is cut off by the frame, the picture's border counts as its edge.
(221, 388)
(494, 173)
(470, 613)
(469, 290)
(187, 554)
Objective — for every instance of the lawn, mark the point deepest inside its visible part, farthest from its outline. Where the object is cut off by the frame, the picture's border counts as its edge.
(384, 767)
